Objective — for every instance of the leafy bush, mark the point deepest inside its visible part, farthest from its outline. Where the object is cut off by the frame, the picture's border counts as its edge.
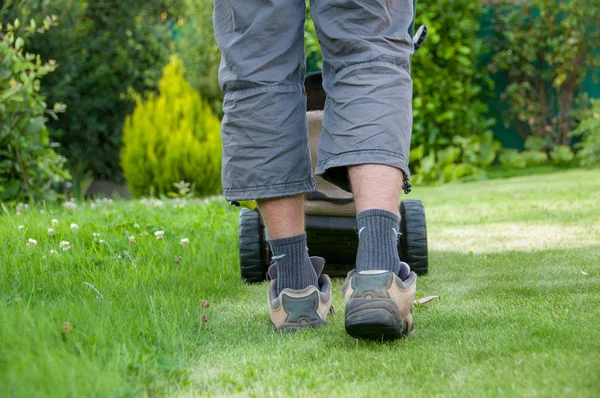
(448, 86)
(562, 154)
(172, 137)
(534, 158)
(312, 48)
(108, 50)
(534, 143)
(589, 130)
(511, 158)
(545, 48)
(464, 159)
(29, 166)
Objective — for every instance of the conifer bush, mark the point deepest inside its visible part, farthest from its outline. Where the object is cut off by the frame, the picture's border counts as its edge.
(171, 137)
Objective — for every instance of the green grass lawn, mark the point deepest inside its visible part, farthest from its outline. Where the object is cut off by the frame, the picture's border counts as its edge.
(516, 263)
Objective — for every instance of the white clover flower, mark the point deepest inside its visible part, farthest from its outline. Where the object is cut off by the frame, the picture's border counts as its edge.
(93, 206)
(54, 222)
(160, 235)
(31, 242)
(132, 240)
(21, 228)
(136, 226)
(71, 205)
(65, 245)
(101, 241)
(152, 202)
(51, 232)
(184, 242)
(52, 251)
(178, 203)
(74, 227)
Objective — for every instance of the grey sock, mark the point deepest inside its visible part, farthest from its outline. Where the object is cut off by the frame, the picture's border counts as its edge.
(294, 269)
(378, 234)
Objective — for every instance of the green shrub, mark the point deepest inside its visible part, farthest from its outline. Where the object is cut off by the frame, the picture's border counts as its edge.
(172, 137)
(534, 158)
(534, 143)
(312, 48)
(511, 158)
(449, 84)
(108, 50)
(562, 154)
(545, 48)
(29, 166)
(589, 130)
(464, 159)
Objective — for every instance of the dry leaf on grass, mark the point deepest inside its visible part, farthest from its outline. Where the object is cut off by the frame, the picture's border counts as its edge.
(425, 300)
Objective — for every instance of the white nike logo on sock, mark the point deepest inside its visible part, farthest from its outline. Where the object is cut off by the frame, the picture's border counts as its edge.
(360, 230)
(278, 257)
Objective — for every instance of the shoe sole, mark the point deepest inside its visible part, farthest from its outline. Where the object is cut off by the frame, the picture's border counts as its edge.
(292, 327)
(374, 319)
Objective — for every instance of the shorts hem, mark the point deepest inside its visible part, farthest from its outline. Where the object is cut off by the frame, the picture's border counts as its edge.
(270, 191)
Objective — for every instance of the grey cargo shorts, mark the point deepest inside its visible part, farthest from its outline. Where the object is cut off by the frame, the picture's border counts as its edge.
(367, 119)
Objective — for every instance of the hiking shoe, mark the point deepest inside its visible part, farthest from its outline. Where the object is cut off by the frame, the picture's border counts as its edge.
(297, 309)
(379, 304)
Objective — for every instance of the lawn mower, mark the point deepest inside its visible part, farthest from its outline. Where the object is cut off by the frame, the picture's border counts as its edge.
(330, 212)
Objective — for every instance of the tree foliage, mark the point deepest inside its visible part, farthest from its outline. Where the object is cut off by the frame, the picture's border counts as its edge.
(197, 47)
(109, 51)
(545, 47)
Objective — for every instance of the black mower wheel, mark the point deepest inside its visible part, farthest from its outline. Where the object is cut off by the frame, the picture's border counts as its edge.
(412, 245)
(252, 247)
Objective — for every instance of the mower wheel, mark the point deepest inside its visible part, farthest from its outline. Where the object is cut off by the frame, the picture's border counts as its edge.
(412, 245)
(252, 254)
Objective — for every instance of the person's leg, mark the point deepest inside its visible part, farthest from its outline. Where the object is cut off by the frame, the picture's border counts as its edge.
(376, 187)
(368, 114)
(284, 219)
(264, 128)
(376, 191)
(365, 146)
